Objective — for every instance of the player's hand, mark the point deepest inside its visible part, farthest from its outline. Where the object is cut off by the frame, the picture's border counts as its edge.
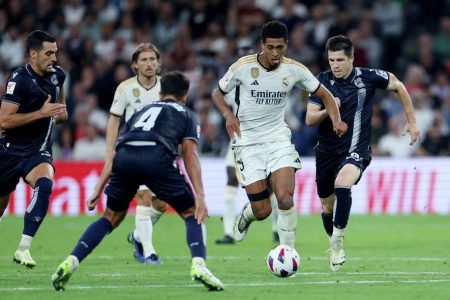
(201, 210)
(340, 128)
(414, 132)
(52, 109)
(233, 127)
(93, 200)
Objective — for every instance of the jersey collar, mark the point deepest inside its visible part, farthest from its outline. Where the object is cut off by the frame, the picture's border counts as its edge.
(259, 63)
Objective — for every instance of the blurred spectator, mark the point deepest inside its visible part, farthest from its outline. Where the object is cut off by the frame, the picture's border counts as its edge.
(73, 11)
(394, 143)
(63, 147)
(91, 147)
(12, 48)
(441, 40)
(435, 143)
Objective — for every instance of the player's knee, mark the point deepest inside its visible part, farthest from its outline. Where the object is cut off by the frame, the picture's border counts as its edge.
(285, 200)
(159, 205)
(44, 187)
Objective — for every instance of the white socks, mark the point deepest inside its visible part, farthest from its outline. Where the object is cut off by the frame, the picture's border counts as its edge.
(155, 215)
(144, 229)
(25, 242)
(229, 210)
(338, 232)
(274, 203)
(287, 225)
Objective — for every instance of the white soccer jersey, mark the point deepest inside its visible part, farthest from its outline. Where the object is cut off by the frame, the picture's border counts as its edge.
(263, 97)
(131, 96)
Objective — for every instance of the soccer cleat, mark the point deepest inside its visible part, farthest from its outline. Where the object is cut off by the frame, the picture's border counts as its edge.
(138, 250)
(336, 253)
(152, 260)
(200, 272)
(225, 240)
(241, 226)
(63, 273)
(24, 258)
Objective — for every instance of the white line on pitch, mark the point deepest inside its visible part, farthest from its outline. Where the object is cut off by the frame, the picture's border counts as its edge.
(286, 283)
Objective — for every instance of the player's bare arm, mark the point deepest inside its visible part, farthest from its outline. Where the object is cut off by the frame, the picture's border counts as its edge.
(315, 115)
(192, 163)
(339, 127)
(111, 138)
(231, 121)
(9, 118)
(64, 116)
(399, 88)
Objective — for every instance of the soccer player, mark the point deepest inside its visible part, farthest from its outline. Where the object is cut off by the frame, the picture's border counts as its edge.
(229, 215)
(131, 95)
(34, 101)
(146, 153)
(340, 161)
(260, 137)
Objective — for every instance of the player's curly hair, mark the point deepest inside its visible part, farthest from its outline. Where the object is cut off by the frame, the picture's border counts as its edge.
(142, 48)
(36, 38)
(274, 29)
(338, 43)
(174, 83)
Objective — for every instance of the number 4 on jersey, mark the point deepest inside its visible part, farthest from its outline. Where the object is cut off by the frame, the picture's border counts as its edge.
(147, 120)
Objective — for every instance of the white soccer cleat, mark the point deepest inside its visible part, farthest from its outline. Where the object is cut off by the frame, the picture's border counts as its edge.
(24, 258)
(200, 272)
(336, 253)
(241, 226)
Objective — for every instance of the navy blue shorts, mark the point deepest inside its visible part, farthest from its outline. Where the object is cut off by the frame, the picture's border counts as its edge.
(328, 166)
(152, 166)
(13, 167)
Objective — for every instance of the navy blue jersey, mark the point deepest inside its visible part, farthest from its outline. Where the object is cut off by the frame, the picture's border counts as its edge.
(356, 94)
(164, 122)
(29, 91)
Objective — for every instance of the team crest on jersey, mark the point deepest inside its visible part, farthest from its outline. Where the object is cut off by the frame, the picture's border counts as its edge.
(254, 72)
(136, 92)
(285, 82)
(54, 79)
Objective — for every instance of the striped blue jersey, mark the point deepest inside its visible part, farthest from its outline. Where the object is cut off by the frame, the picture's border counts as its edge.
(165, 122)
(356, 94)
(29, 91)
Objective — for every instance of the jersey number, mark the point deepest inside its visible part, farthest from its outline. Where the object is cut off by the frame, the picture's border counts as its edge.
(147, 120)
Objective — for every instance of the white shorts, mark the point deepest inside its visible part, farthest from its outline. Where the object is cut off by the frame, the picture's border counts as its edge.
(257, 162)
(229, 158)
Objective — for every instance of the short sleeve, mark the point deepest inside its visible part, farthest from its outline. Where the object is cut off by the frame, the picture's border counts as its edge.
(313, 98)
(119, 103)
(16, 88)
(230, 80)
(192, 127)
(379, 78)
(306, 79)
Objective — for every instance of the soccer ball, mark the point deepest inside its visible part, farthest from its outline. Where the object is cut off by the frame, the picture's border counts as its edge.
(283, 261)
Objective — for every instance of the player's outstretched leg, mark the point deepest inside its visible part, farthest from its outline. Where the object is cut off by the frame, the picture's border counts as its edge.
(195, 234)
(245, 218)
(63, 272)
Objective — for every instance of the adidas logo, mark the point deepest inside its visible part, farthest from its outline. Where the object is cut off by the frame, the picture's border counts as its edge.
(137, 101)
(254, 82)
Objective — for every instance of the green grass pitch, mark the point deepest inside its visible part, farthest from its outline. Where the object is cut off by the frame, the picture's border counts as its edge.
(388, 257)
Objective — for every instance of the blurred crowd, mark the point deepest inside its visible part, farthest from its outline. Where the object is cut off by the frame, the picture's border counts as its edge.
(202, 37)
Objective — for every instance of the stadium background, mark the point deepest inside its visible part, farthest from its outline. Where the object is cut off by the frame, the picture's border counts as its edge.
(201, 38)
